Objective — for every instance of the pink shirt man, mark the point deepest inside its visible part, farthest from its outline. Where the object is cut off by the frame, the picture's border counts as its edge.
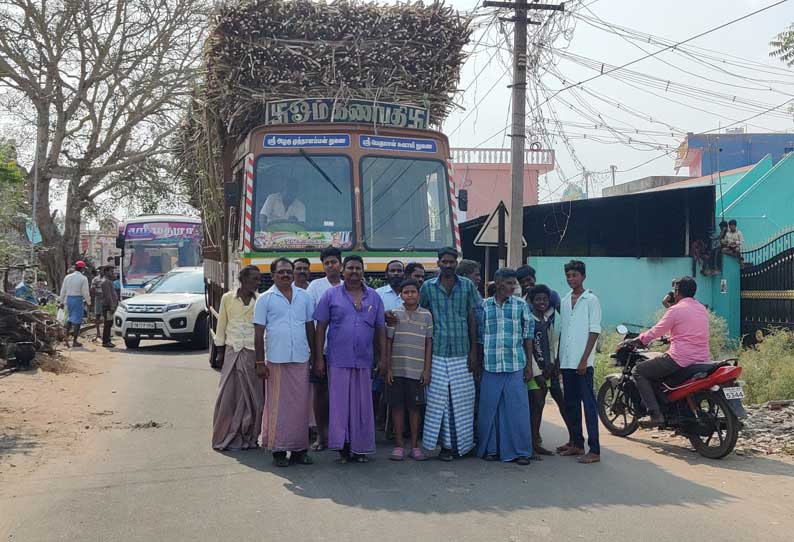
(688, 324)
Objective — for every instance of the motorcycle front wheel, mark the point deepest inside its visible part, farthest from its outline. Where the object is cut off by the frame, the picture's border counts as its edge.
(615, 409)
(718, 426)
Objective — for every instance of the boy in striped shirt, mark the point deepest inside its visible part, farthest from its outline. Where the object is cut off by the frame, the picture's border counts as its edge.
(409, 347)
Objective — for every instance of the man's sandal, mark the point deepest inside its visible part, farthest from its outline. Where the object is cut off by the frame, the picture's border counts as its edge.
(397, 454)
(572, 452)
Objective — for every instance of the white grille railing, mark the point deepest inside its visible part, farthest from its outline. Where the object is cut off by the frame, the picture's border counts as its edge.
(500, 156)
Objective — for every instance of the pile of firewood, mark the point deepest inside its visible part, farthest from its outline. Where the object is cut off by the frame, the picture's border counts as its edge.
(21, 321)
(261, 50)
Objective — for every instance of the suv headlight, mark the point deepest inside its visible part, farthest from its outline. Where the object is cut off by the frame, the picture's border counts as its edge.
(123, 306)
(176, 307)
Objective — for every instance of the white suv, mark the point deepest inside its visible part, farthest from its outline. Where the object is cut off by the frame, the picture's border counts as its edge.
(173, 309)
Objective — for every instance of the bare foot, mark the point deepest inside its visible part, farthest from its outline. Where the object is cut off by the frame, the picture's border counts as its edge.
(589, 458)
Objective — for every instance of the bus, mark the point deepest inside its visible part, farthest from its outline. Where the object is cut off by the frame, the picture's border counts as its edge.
(152, 245)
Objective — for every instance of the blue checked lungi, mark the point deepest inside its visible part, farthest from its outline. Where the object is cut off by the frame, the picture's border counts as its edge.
(74, 307)
(450, 406)
(503, 427)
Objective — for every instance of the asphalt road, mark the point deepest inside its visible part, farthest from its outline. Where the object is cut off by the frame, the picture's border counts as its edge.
(166, 483)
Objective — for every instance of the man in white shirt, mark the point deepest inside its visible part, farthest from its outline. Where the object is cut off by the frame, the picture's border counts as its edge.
(331, 259)
(389, 294)
(75, 293)
(283, 206)
(580, 326)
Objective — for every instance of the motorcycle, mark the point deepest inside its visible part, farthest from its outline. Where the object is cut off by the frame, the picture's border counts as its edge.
(702, 402)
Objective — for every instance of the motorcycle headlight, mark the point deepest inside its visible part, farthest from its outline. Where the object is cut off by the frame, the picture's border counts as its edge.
(176, 306)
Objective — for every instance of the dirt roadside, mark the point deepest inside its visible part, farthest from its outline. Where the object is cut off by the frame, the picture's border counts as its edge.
(45, 411)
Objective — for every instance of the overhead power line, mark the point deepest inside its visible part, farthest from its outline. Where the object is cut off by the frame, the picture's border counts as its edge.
(667, 48)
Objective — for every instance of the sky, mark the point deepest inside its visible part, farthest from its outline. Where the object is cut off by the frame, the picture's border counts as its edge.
(637, 114)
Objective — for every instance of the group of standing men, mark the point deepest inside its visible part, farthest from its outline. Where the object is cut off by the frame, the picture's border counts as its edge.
(77, 294)
(436, 344)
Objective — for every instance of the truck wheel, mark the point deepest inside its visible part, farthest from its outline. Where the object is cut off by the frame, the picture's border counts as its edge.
(132, 343)
(200, 333)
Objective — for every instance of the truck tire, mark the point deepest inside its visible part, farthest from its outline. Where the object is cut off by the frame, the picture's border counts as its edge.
(132, 344)
(200, 334)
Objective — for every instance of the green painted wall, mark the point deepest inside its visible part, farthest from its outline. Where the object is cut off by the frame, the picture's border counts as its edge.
(631, 289)
(766, 206)
(735, 185)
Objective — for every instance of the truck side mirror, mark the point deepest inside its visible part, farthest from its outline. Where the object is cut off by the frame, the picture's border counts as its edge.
(463, 200)
(231, 194)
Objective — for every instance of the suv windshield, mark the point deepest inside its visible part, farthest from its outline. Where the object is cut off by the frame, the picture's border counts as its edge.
(184, 282)
(406, 203)
(303, 202)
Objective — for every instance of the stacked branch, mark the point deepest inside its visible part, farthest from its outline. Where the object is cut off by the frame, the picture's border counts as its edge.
(264, 50)
(21, 321)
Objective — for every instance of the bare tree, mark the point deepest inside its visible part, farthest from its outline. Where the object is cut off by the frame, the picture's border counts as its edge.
(105, 81)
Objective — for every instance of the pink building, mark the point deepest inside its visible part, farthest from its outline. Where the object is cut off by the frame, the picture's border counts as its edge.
(485, 173)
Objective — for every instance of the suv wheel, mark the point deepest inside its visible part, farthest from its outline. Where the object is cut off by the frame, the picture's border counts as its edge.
(200, 333)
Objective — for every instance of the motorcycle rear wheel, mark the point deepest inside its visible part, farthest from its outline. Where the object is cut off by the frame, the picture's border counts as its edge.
(614, 406)
(715, 409)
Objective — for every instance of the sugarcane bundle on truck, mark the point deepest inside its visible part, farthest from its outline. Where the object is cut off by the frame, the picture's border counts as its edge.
(316, 125)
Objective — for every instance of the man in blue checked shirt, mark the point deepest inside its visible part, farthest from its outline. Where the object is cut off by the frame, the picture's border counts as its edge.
(506, 331)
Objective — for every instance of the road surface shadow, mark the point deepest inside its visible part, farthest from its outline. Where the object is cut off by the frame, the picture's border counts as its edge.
(15, 444)
(473, 484)
(755, 464)
(160, 349)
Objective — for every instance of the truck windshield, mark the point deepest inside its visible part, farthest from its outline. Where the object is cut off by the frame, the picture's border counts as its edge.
(406, 203)
(303, 202)
(154, 248)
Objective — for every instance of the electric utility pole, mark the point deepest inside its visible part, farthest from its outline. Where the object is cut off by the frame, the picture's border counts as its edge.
(518, 132)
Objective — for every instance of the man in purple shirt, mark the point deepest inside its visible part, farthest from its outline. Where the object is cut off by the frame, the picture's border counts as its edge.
(354, 319)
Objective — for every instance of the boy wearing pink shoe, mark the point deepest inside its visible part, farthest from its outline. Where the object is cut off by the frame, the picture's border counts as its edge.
(409, 347)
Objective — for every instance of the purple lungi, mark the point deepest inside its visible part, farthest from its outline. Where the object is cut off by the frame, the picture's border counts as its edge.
(350, 405)
(286, 415)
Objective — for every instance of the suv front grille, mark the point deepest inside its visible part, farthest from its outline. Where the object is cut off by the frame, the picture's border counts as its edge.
(150, 309)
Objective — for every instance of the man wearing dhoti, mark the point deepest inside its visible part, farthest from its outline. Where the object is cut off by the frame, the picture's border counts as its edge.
(353, 315)
(506, 331)
(449, 414)
(238, 408)
(285, 313)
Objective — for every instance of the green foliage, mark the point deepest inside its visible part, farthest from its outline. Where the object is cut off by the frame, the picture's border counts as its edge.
(12, 204)
(783, 46)
(607, 344)
(768, 368)
(374, 282)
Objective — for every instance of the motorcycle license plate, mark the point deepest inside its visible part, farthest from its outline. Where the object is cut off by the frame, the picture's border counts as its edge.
(733, 393)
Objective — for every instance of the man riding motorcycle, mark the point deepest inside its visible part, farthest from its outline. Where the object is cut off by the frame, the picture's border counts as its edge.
(687, 322)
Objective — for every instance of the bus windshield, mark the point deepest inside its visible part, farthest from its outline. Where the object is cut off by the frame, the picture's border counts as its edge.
(154, 248)
(406, 204)
(303, 202)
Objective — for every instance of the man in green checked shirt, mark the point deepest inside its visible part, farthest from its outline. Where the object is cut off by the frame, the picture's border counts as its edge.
(506, 331)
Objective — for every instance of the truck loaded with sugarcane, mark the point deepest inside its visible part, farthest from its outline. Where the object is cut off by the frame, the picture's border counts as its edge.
(315, 125)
